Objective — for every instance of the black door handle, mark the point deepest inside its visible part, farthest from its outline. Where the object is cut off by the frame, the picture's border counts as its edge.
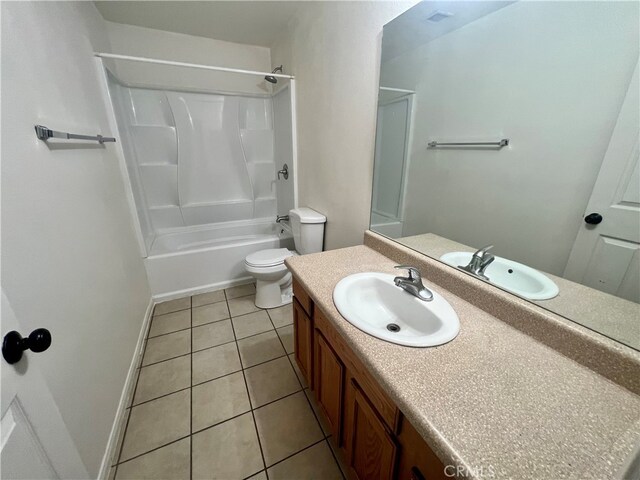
(593, 218)
(13, 344)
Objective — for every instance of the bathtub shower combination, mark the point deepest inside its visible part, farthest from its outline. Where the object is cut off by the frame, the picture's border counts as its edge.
(202, 163)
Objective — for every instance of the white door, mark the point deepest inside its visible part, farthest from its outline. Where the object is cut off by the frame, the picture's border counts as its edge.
(606, 254)
(35, 443)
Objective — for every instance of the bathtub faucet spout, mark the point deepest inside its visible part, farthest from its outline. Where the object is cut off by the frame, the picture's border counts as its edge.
(282, 218)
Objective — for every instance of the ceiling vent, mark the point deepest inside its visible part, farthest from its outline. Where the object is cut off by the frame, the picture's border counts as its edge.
(438, 16)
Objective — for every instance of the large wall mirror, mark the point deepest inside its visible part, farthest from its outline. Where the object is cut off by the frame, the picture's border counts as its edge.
(516, 125)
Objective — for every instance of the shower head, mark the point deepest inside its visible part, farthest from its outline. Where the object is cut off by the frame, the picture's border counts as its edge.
(271, 78)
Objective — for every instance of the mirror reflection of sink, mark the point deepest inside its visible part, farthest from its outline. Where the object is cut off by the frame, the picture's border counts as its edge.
(512, 276)
(374, 304)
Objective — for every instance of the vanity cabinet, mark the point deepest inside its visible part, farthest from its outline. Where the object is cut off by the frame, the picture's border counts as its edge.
(371, 449)
(328, 381)
(377, 441)
(303, 332)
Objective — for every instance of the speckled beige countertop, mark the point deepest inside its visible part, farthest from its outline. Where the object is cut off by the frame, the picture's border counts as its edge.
(610, 315)
(493, 400)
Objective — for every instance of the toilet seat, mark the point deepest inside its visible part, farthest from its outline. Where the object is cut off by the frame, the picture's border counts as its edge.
(272, 257)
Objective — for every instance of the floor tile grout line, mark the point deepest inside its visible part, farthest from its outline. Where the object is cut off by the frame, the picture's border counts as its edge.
(218, 378)
(169, 313)
(167, 359)
(217, 424)
(308, 400)
(209, 323)
(206, 304)
(266, 361)
(239, 296)
(249, 313)
(184, 437)
(169, 333)
(314, 413)
(254, 474)
(246, 386)
(335, 459)
(272, 322)
(296, 453)
(278, 399)
(301, 386)
(159, 397)
(222, 320)
(262, 363)
(224, 290)
(154, 449)
(294, 371)
(209, 348)
(193, 385)
(243, 368)
(133, 394)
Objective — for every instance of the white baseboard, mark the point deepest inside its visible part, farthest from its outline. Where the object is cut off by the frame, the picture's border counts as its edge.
(163, 297)
(125, 397)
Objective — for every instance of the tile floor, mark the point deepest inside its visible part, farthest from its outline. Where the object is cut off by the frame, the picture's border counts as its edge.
(218, 395)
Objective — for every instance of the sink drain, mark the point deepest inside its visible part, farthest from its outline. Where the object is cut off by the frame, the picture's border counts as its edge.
(393, 327)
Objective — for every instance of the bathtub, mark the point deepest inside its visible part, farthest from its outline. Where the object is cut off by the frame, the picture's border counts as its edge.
(198, 259)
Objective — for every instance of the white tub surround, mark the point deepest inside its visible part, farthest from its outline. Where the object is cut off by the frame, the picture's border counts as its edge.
(202, 164)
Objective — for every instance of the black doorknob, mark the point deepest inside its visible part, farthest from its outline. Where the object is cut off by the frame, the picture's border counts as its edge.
(593, 218)
(13, 344)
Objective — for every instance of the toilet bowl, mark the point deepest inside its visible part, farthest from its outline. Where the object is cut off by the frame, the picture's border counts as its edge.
(273, 280)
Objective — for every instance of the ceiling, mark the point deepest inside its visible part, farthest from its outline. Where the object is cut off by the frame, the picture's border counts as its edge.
(248, 22)
(412, 29)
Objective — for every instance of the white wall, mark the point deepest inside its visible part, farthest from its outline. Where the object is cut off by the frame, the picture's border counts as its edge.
(551, 76)
(333, 49)
(147, 42)
(200, 158)
(70, 261)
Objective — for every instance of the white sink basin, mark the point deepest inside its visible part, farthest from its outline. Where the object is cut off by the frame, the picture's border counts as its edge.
(374, 304)
(513, 276)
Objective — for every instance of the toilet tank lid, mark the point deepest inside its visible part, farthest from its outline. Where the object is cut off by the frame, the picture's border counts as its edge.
(308, 215)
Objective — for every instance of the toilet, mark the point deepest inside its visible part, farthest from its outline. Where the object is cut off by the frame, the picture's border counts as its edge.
(273, 280)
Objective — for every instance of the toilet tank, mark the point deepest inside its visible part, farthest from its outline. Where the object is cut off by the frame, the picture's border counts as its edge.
(308, 229)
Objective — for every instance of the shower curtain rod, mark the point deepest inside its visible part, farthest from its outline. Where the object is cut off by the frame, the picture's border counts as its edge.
(189, 65)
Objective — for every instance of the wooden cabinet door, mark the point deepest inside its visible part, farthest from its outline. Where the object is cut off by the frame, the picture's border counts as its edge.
(371, 451)
(416, 460)
(303, 341)
(328, 378)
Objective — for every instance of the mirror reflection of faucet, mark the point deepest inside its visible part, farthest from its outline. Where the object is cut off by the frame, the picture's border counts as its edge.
(479, 262)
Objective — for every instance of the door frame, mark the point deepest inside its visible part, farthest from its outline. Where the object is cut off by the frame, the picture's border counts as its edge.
(409, 98)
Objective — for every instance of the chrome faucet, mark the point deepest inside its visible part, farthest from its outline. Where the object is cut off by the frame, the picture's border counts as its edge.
(282, 218)
(413, 284)
(479, 262)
